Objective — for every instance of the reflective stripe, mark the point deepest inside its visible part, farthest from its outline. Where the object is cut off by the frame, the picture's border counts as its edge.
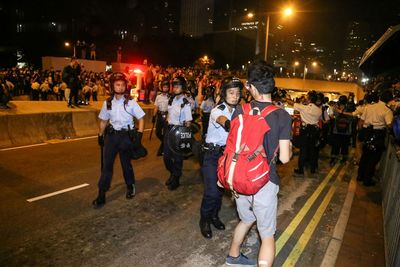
(255, 168)
(259, 177)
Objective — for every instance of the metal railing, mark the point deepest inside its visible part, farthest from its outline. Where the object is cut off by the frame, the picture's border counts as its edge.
(390, 181)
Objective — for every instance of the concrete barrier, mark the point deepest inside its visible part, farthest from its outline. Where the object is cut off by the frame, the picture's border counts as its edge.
(26, 129)
(32, 128)
(4, 136)
(58, 125)
(85, 123)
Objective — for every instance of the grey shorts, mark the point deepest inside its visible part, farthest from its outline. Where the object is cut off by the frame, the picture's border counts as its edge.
(264, 209)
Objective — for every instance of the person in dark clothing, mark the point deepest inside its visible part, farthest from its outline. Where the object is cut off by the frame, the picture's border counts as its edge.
(70, 76)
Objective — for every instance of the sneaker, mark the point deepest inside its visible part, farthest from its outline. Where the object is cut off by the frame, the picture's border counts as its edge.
(240, 260)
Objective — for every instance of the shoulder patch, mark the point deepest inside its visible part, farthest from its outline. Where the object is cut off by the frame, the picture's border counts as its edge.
(221, 107)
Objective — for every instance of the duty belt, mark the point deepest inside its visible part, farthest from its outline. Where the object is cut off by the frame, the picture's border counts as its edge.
(305, 125)
(163, 114)
(213, 147)
(111, 130)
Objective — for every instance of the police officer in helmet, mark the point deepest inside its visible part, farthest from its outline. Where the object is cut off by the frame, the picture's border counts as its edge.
(179, 113)
(160, 113)
(117, 131)
(217, 134)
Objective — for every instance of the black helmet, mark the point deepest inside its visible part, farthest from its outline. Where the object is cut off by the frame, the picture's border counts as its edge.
(180, 140)
(180, 81)
(117, 76)
(230, 82)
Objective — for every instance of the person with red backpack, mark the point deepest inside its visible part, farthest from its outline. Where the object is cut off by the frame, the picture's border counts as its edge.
(256, 202)
(215, 141)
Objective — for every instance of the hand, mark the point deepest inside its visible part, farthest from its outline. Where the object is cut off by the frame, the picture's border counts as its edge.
(153, 120)
(100, 140)
(227, 125)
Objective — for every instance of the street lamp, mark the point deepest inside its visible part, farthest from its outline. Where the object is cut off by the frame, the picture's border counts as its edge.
(314, 64)
(67, 44)
(295, 64)
(287, 12)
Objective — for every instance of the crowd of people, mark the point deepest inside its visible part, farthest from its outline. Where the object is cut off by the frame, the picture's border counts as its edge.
(224, 108)
(222, 104)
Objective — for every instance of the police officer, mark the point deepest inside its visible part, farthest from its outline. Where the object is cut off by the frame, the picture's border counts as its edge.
(116, 130)
(376, 119)
(179, 113)
(217, 134)
(160, 113)
(206, 106)
(310, 114)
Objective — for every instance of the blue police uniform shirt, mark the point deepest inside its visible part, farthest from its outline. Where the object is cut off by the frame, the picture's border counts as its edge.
(216, 134)
(207, 105)
(119, 116)
(178, 114)
(162, 102)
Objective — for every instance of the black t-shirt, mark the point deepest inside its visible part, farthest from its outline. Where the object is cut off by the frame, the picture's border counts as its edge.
(280, 123)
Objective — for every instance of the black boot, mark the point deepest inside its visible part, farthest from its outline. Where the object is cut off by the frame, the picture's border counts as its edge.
(100, 200)
(168, 182)
(217, 223)
(174, 183)
(205, 228)
(130, 191)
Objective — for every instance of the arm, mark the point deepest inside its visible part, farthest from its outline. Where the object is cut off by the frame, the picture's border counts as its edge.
(285, 150)
(102, 127)
(141, 125)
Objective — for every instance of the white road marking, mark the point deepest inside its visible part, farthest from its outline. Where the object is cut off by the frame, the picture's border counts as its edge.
(335, 243)
(55, 142)
(19, 147)
(56, 193)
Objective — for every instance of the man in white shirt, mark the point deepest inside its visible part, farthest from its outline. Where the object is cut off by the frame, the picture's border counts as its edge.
(376, 118)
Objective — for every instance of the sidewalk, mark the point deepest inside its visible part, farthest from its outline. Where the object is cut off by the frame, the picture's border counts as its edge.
(363, 243)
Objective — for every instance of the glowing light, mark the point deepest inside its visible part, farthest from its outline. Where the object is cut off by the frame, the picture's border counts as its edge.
(314, 64)
(296, 63)
(288, 11)
(67, 44)
(250, 15)
(137, 71)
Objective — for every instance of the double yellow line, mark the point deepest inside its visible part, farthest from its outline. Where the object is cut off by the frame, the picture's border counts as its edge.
(309, 230)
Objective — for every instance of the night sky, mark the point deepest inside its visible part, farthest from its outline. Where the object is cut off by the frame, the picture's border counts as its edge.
(325, 21)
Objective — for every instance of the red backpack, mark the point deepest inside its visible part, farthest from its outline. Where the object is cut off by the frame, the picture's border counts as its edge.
(244, 167)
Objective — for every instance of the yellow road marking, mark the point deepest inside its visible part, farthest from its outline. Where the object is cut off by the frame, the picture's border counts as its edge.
(284, 237)
(310, 228)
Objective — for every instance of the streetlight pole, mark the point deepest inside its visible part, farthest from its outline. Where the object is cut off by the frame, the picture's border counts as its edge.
(266, 37)
(304, 75)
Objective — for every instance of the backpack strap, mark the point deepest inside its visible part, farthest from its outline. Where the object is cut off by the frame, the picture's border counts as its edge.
(246, 108)
(268, 110)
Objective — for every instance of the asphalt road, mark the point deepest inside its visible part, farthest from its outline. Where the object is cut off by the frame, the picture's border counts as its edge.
(156, 228)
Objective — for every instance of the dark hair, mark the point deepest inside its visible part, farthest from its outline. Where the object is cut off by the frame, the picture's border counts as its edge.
(261, 76)
(312, 96)
(386, 96)
(343, 100)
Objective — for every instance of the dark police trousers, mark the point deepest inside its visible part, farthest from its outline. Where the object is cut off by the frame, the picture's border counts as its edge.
(173, 162)
(114, 143)
(161, 124)
(212, 197)
(309, 135)
(371, 156)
